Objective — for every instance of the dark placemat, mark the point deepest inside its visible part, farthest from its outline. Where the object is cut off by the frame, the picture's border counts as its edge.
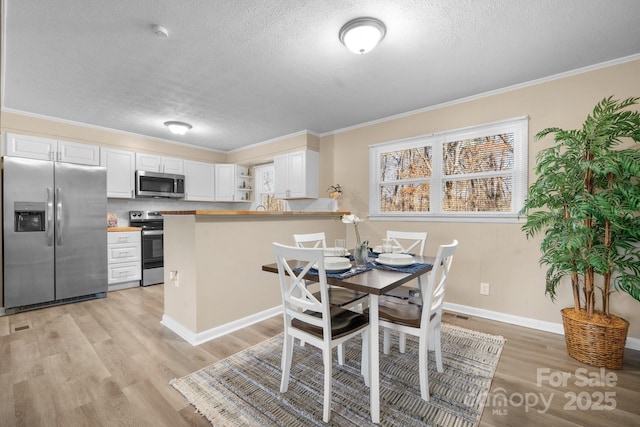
(339, 275)
(410, 269)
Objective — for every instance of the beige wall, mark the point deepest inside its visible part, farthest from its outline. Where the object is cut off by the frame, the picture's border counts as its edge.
(264, 153)
(219, 259)
(498, 254)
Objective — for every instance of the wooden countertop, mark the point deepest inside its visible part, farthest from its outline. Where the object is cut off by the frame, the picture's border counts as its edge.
(258, 213)
(117, 229)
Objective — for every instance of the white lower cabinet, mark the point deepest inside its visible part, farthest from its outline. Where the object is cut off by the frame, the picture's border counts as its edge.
(124, 259)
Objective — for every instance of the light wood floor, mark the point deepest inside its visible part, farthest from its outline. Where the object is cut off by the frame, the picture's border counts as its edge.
(108, 362)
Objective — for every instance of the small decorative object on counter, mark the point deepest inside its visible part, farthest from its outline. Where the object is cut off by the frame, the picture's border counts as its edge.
(112, 220)
(335, 191)
(361, 251)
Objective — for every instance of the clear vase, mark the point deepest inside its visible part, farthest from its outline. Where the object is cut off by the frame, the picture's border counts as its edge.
(360, 255)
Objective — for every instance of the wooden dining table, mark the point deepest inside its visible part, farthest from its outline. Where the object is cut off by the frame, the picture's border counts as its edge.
(375, 282)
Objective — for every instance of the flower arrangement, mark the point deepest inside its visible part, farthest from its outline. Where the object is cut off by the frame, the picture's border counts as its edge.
(352, 219)
(335, 191)
(361, 251)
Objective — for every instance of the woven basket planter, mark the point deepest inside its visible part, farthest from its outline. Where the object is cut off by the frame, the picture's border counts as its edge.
(598, 341)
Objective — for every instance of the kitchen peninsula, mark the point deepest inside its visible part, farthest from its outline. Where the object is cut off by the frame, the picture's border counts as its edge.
(213, 282)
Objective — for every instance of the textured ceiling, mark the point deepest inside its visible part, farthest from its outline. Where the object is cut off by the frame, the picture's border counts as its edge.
(247, 71)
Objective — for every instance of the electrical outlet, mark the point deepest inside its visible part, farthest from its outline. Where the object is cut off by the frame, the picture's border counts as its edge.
(484, 288)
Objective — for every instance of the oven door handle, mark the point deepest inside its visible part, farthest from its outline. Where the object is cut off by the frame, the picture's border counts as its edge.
(152, 232)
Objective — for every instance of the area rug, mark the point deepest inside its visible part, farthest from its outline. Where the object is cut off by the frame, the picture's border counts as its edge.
(244, 389)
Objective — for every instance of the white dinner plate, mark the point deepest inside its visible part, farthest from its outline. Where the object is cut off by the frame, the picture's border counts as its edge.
(398, 263)
(336, 264)
(337, 270)
(397, 260)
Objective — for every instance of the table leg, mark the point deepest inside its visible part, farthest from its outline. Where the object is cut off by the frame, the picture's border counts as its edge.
(374, 358)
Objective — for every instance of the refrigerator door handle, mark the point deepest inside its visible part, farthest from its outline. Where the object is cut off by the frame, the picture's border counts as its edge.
(49, 216)
(59, 222)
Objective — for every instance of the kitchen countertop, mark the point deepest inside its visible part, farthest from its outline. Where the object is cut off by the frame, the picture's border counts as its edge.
(241, 213)
(116, 229)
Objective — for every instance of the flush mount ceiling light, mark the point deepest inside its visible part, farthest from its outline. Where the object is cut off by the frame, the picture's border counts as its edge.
(160, 32)
(361, 35)
(179, 128)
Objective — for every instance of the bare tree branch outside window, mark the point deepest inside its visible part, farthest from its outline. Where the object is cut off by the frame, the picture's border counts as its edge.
(412, 164)
(479, 170)
(486, 155)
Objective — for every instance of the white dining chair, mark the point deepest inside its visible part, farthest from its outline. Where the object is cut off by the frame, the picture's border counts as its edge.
(338, 296)
(310, 240)
(341, 297)
(421, 320)
(313, 319)
(409, 242)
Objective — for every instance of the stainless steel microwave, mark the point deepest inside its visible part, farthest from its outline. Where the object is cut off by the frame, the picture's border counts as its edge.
(155, 184)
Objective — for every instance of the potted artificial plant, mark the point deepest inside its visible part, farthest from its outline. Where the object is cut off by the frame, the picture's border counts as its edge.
(586, 202)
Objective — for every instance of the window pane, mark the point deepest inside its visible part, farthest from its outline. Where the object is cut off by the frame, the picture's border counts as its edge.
(485, 154)
(406, 164)
(477, 195)
(405, 198)
(267, 180)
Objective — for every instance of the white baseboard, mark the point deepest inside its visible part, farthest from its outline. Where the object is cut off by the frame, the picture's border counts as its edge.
(197, 338)
(177, 327)
(556, 328)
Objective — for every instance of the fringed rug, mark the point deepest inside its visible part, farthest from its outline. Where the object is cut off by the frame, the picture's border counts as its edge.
(244, 389)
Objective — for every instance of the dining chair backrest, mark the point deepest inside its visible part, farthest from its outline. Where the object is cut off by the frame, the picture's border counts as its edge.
(308, 316)
(433, 298)
(313, 240)
(409, 241)
(296, 297)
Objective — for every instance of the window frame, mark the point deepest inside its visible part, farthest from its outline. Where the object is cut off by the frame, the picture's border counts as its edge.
(519, 174)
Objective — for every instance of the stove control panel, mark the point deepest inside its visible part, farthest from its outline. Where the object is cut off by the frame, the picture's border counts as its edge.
(137, 216)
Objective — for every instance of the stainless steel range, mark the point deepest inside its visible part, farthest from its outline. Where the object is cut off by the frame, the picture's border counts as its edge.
(151, 223)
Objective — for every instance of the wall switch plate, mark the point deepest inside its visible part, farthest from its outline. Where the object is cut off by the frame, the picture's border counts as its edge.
(173, 277)
(484, 288)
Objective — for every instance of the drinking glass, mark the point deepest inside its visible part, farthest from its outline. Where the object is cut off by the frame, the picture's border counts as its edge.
(341, 247)
(387, 246)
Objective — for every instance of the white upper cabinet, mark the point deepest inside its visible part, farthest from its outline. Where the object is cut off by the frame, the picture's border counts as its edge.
(199, 181)
(232, 182)
(155, 163)
(34, 147)
(172, 165)
(73, 152)
(297, 175)
(148, 162)
(225, 181)
(120, 166)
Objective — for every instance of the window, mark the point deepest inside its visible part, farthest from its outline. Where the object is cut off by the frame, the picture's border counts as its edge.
(265, 177)
(468, 175)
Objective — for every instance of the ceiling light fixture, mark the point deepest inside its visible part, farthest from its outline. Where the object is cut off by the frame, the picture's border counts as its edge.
(159, 31)
(361, 35)
(179, 128)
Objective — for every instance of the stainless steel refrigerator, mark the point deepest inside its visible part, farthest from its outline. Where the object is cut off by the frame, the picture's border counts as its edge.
(54, 231)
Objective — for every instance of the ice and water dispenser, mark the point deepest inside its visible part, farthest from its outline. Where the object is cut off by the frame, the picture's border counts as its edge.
(29, 216)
